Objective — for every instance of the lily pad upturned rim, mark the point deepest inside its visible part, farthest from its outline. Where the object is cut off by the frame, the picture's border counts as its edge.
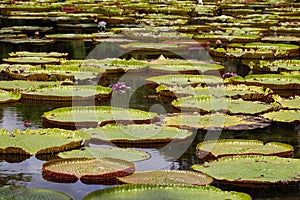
(32, 193)
(202, 153)
(167, 177)
(108, 177)
(248, 162)
(122, 153)
(132, 188)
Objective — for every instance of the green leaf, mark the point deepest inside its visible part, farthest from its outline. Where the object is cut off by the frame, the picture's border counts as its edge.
(215, 121)
(138, 133)
(230, 147)
(88, 170)
(92, 116)
(253, 171)
(168, 192)
(9, 97)
(68, 93)
(289, 116)
(32, 194)
(167, 177)
(205, 104)
(40, 141)
(118, 153)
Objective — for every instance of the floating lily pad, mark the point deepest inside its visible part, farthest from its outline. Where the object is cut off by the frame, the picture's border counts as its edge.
(26, 85)
(207, 104)
(32, 193)
(273, 81)
(28, 41)
(31, 60)
(184, 80)
(118, 153)
(9, 97)
(69, 36)
(230, 147)
(225, 38)
(276, 66)
(92, 116)
(38, 54)
(152, 47)
(40, 141)
(113, 66)
(167, 177)
(232, 91)
(253, 171)
(68, 93)
(288, 116)
(292, 103)
(184, 67)
(216, 122)
(169, 192)
(45, 72)
(88, 170)
(138, 133)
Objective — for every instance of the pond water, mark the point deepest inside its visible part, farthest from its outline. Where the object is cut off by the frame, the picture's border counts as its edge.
(176, 155)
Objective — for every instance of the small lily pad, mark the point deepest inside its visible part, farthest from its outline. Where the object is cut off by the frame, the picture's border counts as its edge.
(118, 153)
(253, 171)
(167, 177)
(32, 193)
(92, 116)
(38, 54)
(230, 147)
(168, 192)
(31, 60)
(88, 170)
(40, 141)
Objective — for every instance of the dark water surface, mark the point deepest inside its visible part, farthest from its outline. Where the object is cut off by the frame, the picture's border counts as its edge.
(172, 156)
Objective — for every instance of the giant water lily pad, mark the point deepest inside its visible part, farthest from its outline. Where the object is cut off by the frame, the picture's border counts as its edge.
(228, 147)
(92, 116)
(52, 72)
(215, 121)
(32, 193)
(167, 177)
(184, 67)
(40, 141)
(184, 80)
(291, 103)
(285, 116)
(25, 85)
(118, 153)
(88, 170)
(31, 60)
(68, 93)
(28, 41)
(38, 54)
(253, 171)
(116, 65)
(9, 97)
(273, 81)
(138, 133)
(232, 91)
(275, 66)
(206, 104)
(168, 192)
(69, 36)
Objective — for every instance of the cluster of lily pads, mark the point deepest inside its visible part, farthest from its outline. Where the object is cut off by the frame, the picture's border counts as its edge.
(201, 97)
